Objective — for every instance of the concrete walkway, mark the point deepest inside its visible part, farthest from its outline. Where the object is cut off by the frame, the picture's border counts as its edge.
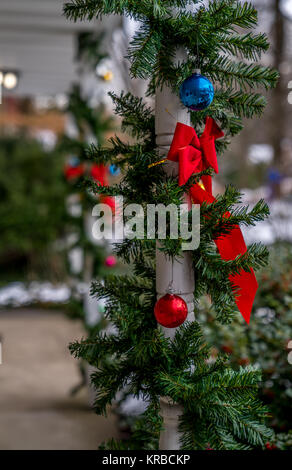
(36, 375)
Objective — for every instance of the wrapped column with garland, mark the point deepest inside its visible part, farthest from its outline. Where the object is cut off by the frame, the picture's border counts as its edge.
(218, 406)
(176, 274)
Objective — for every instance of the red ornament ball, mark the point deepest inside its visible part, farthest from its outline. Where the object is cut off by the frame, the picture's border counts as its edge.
(170, 311)
(110, 261)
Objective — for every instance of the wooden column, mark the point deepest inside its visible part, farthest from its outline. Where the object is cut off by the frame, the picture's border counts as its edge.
(168, 111)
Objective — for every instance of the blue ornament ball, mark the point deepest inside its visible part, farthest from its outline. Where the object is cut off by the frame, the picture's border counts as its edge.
(114, 170)
(196, 92)
(74, 161)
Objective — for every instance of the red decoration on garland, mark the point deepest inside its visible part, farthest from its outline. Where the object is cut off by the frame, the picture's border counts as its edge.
(170, 311)
(270, 446)
(109, 201)
(110, 261)
(194, 155)
(73, 172)
(99, 173)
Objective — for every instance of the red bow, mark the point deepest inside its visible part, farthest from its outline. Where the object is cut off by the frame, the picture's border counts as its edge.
(194, 155)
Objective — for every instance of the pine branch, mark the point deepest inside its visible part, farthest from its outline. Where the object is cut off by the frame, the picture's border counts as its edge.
(230, 73)
(135, 250)
(119, 287)
(240, 103)
(136, 115)
(209, 262)
(108, 380)
(248, 46)
(143, 51)
(99, 347)
(90, 9)
(227, 14)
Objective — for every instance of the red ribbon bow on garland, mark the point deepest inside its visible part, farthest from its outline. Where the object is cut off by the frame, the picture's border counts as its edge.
(195, 154)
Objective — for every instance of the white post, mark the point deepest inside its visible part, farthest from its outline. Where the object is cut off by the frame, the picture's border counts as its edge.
(168, 111)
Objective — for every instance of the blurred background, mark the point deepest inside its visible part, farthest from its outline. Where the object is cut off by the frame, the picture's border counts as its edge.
(55, 76)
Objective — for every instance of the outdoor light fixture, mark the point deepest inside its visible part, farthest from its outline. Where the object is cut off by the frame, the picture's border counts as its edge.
(8, 80)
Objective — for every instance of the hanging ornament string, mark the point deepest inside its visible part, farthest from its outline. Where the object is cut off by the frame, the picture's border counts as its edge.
(198, 65)
(170, 285)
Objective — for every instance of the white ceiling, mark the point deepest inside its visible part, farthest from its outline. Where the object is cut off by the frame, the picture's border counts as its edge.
(39, 42)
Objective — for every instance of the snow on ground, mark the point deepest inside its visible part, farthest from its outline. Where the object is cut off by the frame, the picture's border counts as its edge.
(278, 226)
(17, 294)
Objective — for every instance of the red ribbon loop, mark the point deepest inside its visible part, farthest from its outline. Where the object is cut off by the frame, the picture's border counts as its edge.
(195, 154)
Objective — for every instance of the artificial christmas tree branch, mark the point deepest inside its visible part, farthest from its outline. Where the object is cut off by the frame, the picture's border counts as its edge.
(217, 407)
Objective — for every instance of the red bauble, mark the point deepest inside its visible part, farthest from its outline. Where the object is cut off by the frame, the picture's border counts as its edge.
(170, 311)
(110, 261)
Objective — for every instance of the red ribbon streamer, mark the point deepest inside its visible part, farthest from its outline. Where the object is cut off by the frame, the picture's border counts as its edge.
(195, 154)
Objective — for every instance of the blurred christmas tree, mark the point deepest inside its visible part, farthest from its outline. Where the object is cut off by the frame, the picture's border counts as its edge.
(95, 258)
(90, 124)
(32, 211)
(87, 258)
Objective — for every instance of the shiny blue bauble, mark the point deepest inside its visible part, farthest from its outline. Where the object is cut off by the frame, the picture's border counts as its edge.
(74, 161)
(114, 170)
(196, 92)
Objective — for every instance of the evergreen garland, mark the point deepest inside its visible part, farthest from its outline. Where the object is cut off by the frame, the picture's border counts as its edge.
(221, 409)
